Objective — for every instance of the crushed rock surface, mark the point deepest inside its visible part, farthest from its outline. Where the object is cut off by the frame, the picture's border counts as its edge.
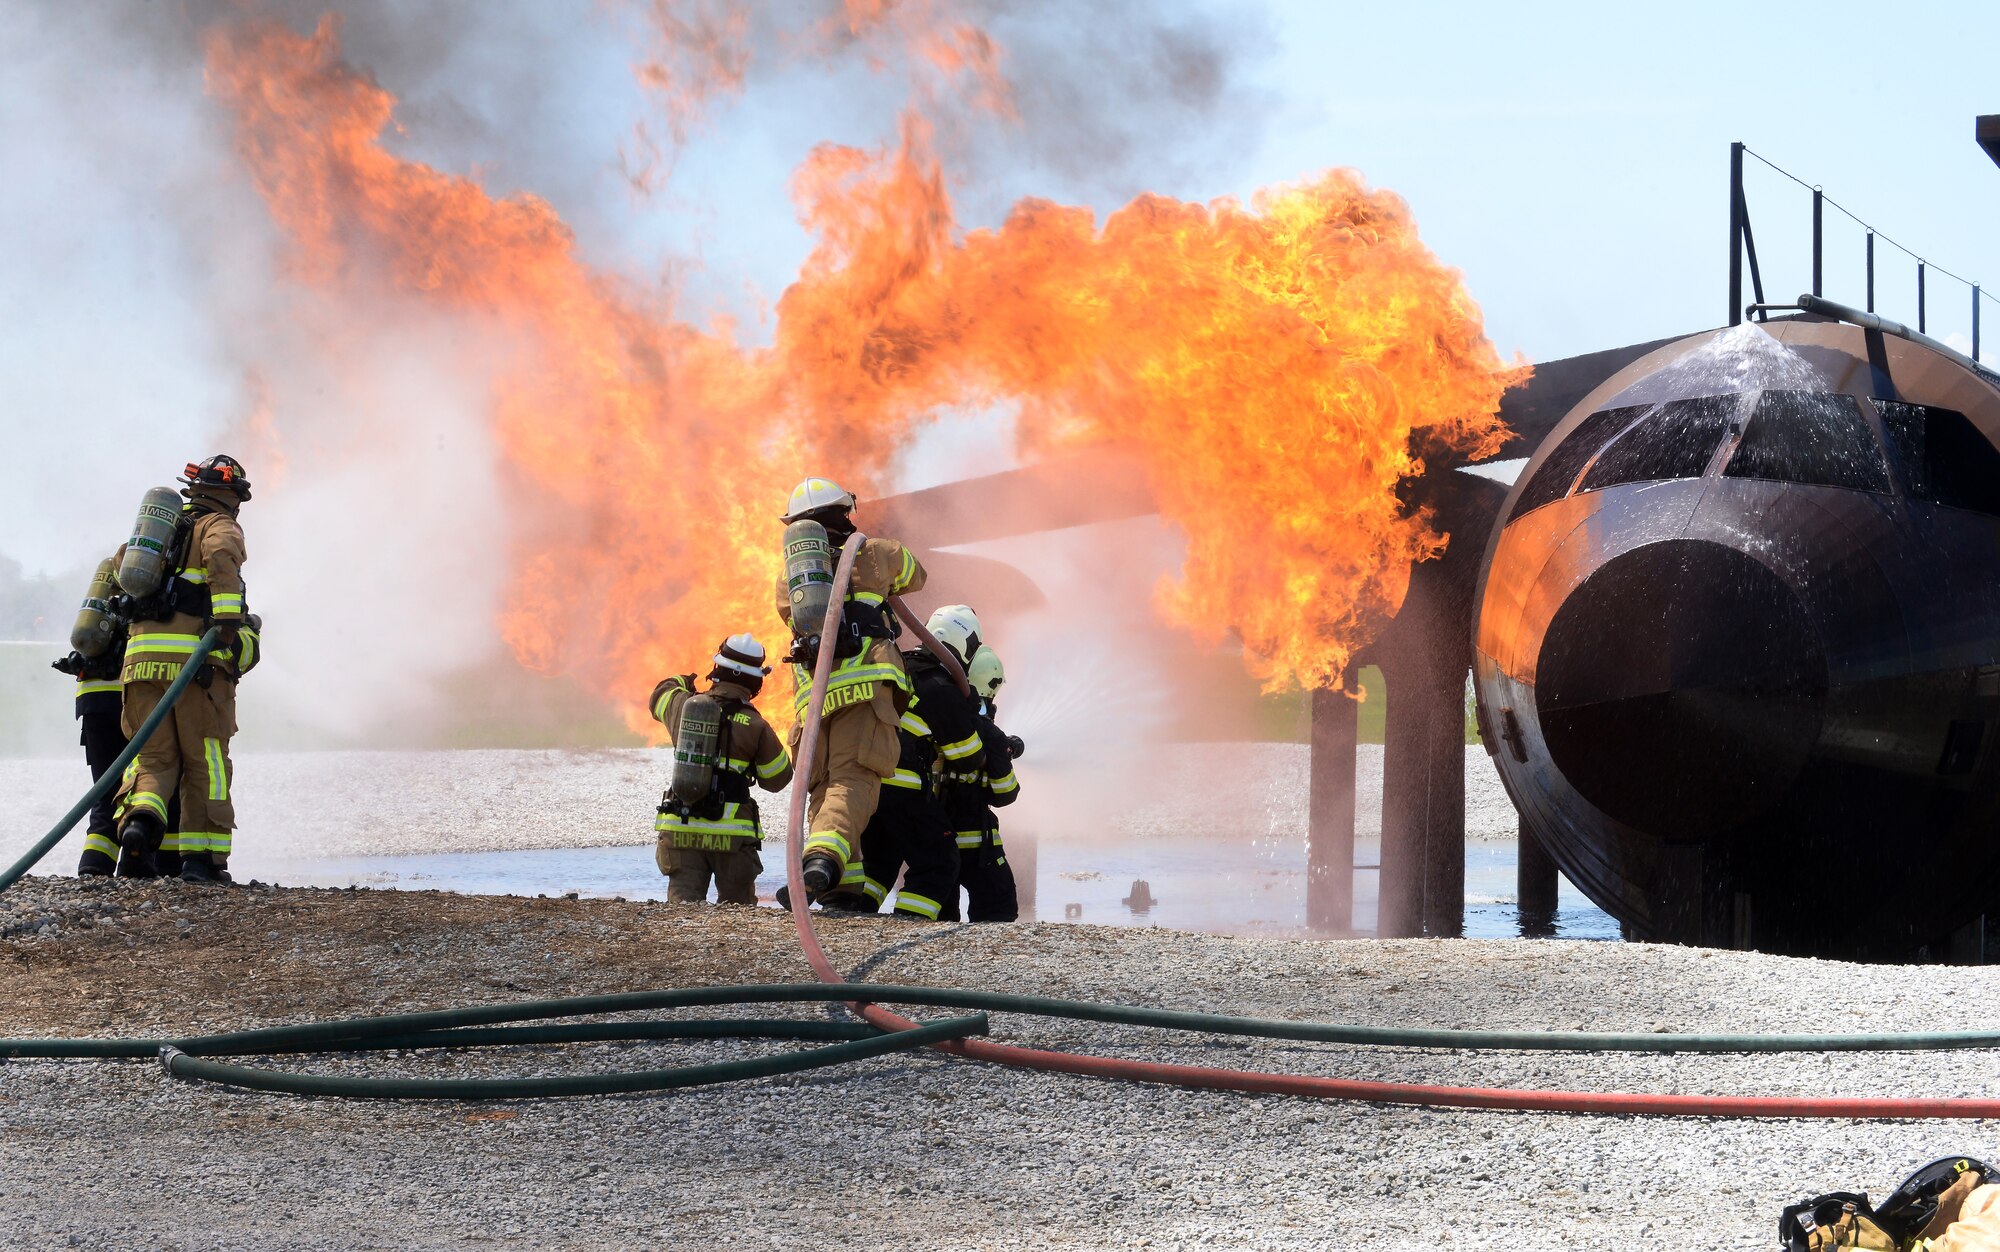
(917, 1151)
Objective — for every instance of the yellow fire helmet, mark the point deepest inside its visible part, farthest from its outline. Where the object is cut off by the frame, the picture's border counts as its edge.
(817, 495)
(986, 673)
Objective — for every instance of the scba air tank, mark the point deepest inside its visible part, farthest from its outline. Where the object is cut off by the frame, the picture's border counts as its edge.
(95, 627)
(149, 553)
(808, 575)
(696, 745)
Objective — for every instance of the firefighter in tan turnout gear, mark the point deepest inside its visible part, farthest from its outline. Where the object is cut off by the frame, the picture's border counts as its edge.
(708, 828)
(188, 755)
(868, 688)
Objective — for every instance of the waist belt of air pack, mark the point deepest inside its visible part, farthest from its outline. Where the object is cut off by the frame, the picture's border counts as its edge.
(178, 596)
(863, 620)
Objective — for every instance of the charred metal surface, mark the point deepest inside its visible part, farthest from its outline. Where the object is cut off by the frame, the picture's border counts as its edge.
(1422, 656)
(1336, 728)
(1532, 410)
(1742, 621)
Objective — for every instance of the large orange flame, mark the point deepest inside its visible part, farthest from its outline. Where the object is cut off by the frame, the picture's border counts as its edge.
(1269, 363)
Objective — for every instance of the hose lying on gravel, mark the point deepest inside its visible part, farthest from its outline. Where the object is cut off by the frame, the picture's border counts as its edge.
(445, 1028)
(109, 778)
(183, 1065)
(479, 1026)
(185, 1058)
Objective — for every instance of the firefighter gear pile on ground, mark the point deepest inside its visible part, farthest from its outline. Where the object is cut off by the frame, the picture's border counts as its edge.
(1950, 1205)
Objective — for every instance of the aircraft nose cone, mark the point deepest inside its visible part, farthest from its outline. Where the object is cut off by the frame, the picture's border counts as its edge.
(1680, 688)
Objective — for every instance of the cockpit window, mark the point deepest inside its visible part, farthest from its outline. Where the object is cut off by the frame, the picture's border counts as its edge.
(1941, 456)
(1551, 480)
(1806, 437)
(1675, 440)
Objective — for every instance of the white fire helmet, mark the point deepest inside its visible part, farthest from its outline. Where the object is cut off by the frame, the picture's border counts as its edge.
(742, 654)
(956, 626)
(815, 494)
(986, 673)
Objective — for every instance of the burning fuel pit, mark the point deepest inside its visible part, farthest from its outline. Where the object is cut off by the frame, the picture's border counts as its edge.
(1738, 643)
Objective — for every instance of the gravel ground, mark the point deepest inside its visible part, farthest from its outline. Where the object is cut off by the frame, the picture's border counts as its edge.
(916, 1151)
(361, 803)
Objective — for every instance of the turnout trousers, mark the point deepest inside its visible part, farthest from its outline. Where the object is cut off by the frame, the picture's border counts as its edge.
(188, 757)
(909, 834)
(987, 878)
(689, 870)
(103, 739)
(856, 751)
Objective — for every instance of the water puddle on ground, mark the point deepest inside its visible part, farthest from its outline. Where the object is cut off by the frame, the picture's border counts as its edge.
(1196, 885)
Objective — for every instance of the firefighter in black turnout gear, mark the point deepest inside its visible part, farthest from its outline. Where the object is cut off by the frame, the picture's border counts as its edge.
(99, 709)
(910, 832)
(970, 796)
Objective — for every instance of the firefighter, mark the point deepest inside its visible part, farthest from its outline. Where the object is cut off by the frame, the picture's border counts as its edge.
(189, 754)
(721, 841)
(867, 690)
(99, 710)
(971, 796)
(911, 832)
(165, 860)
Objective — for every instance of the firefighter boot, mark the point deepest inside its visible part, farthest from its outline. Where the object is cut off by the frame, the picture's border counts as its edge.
(819, 872)
(138, 837)
(94, 864)
(201, 867)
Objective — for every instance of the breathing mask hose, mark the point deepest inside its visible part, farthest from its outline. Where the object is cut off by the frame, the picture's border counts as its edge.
(110, 777)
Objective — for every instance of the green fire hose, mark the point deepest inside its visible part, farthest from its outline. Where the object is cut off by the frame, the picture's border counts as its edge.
(483, 1026)
(110, 777)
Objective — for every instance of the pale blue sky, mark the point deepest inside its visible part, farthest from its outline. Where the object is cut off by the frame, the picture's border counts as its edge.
(1572, 159)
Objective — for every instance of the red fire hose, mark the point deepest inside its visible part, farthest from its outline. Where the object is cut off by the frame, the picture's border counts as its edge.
(1270, 1083)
